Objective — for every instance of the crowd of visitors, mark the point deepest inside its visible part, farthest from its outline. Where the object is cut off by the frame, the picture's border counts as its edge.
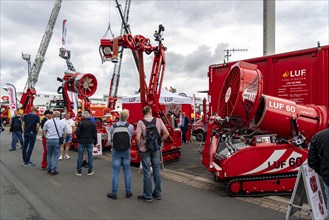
(57, 138)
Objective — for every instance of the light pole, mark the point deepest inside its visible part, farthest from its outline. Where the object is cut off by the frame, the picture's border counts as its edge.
(27, 57)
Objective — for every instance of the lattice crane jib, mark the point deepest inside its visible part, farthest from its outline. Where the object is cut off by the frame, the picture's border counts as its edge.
(29, 90)
(114, 85)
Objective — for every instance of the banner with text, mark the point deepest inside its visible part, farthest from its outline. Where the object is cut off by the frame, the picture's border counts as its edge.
(12, 98)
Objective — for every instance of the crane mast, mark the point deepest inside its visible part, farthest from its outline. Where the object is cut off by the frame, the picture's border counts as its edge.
(29, 90)
(117, 66)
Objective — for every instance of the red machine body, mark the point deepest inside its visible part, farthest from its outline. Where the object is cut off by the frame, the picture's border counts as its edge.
(257, 143)
(149, 95)
(136, 113)
(310, 118)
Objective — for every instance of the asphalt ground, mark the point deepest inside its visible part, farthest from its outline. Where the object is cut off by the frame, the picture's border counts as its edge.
(189, 192)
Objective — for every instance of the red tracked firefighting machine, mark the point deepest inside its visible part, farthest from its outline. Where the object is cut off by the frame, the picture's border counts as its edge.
(258, 142)
(150, 94)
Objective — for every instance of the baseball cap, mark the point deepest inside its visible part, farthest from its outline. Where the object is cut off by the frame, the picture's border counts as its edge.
(48, 112)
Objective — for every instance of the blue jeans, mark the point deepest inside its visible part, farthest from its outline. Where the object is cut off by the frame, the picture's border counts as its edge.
(184, 130)
(81, 149)
(29, 141)
(118, 159)
(16, 135)
(146, 158)
(326, 189)
(53, 149)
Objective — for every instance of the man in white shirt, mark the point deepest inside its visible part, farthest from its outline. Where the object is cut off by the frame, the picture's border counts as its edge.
(68, 139)
(53, 129)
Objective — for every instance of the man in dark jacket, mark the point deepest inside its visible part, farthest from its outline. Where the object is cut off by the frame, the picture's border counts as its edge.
(16, 130)
(87, 138)
(318, 158)
(185, 121)
(31, 124)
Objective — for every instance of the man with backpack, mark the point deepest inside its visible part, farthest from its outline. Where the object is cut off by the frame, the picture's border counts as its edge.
(16, 130)
(121, 133)
(148, 140)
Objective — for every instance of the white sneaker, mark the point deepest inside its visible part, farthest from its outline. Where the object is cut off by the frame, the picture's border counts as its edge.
(67, 157)
(90, 173)
(60, 158)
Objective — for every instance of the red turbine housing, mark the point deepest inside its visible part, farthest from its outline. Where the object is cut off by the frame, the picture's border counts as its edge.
(242, 97)
(241, 93)
(84, 84)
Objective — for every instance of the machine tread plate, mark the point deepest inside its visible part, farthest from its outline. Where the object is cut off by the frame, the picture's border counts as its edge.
(259, 178)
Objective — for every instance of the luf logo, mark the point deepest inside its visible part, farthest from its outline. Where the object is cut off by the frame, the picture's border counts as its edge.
(294, 73)
(285, 74)
(132, 99)
(168, 99)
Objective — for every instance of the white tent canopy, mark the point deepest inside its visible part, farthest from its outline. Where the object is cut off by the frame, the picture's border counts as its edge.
(166, 98)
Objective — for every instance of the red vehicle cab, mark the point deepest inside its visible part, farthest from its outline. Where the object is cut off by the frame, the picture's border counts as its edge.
(199, 130)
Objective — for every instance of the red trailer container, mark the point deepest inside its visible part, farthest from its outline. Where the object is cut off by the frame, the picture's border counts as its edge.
(300, 76)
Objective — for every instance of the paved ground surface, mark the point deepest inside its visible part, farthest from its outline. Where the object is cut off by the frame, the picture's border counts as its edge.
(189, 192)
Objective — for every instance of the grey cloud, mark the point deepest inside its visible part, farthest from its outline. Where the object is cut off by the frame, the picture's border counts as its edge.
(195, 64)
(186, 22)
(26, 13)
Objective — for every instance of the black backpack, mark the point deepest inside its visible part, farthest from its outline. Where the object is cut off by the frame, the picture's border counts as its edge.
(121, 138)
(152, 137)
(16, 124)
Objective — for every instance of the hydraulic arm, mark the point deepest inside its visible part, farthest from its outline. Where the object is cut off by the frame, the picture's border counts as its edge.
(149, 94)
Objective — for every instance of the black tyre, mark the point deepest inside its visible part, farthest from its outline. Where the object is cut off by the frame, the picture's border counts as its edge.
(200, 135)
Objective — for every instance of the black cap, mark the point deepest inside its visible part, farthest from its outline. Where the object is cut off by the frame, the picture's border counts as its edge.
(48, 112)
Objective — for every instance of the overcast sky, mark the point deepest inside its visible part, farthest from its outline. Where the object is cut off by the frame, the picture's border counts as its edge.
(196, 34)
